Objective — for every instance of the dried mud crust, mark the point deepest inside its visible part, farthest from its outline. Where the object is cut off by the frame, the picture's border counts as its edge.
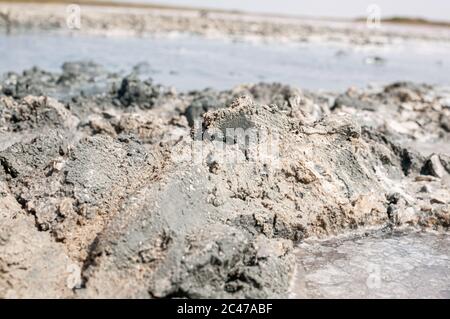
(126, 187)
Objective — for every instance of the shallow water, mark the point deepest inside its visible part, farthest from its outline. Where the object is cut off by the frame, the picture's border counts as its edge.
(393, 266)
(415, 265)
(195, 63)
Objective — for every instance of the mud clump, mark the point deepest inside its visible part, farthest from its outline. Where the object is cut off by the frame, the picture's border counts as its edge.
(134, 91)
(126, 196)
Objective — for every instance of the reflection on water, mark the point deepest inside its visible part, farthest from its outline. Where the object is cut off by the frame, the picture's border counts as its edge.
(415, 265)
(195, 63)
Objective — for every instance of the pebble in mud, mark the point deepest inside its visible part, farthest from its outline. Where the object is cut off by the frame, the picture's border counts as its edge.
(434, 167)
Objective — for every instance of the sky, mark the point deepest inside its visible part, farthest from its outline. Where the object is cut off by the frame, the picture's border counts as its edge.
(430, 9)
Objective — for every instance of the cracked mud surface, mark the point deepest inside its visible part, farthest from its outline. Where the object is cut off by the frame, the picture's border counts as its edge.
(144, 191)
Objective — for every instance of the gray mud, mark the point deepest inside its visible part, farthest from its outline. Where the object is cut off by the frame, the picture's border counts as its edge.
(115, 186)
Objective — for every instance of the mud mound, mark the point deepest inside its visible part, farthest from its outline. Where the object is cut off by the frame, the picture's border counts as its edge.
(139, 191)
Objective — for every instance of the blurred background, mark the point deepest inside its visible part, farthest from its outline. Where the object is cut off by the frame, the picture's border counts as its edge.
(432, 9)
(193, 44)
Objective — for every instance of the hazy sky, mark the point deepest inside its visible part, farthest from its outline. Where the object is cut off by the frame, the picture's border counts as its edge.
(432, 9)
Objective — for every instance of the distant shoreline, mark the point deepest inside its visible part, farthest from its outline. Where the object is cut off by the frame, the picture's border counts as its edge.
(411, 21)
(113, 19)
(398, 20)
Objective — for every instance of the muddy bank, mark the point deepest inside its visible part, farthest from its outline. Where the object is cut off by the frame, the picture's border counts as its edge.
(115, 186)
(103, 20)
